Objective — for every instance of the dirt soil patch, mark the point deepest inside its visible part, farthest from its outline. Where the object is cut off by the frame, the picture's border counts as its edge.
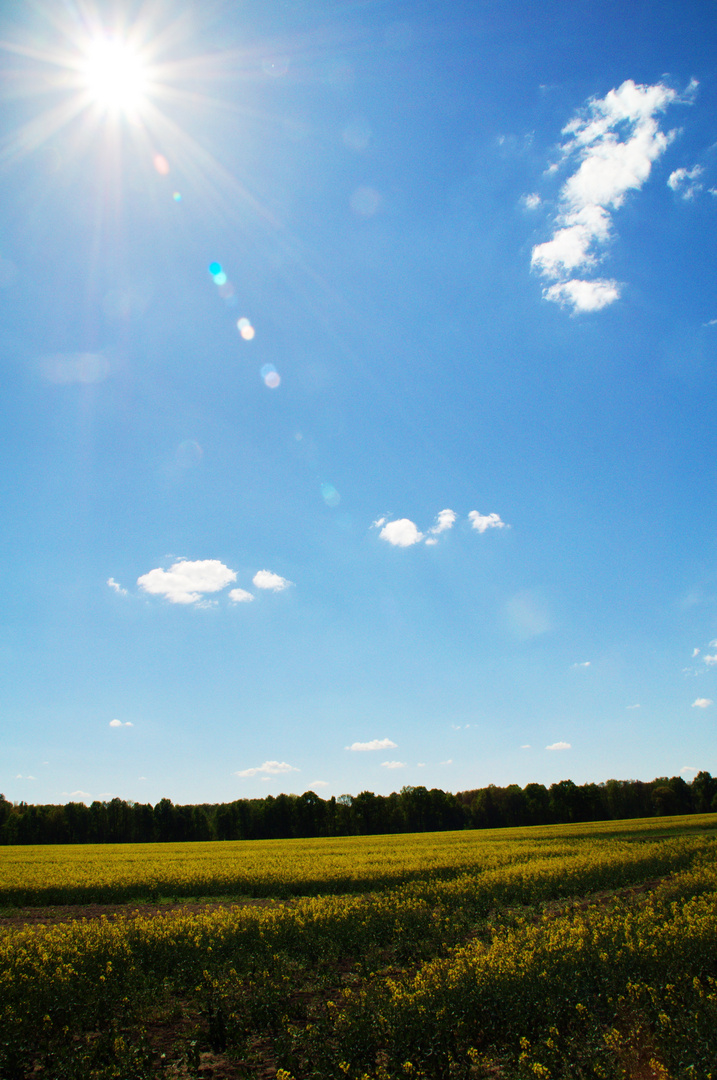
(64, 913)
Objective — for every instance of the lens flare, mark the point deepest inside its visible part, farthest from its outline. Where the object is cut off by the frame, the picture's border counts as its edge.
(245, 329)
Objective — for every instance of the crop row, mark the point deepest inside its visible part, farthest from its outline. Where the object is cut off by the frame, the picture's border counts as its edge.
(82, 874)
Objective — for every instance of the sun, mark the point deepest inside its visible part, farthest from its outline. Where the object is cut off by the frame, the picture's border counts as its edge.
(115, 76)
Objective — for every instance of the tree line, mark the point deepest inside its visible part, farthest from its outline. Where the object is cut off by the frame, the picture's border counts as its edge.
(412, 809)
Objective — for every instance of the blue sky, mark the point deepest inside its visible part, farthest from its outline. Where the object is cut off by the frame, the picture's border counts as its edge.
(358, 396)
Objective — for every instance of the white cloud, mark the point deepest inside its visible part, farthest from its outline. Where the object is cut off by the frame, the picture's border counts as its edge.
(444, 520)
(378, 523)
(116, 586)
(633, 706)
(481, 522)
(582, 663)
(609, 167)
(375, 744)
(431, 541)
(711, 322)
(401, 533)
(271, 768)
(702, 703)
(695, 652)
(318, 783)
(710, 660)
(525, 746)
(688, 769)
(186, 582)
(264, 579)
(684, 182)
(80, 795)
(532, 201)
(584, 295)
(240, 596)
(448, 762)
(393, 765)
(420, 765)
(559, 746)
(118, 723)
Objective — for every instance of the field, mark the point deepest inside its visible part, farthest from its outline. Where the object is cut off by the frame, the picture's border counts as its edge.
(556, 952)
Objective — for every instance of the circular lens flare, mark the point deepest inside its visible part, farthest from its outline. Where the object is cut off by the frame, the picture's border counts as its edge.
(114, 75)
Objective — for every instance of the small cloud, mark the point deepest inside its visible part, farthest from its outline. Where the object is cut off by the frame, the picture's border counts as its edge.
(481, 522)
(421, 765)
(272, 768)
(106, 796)
(118, 723)
(444, 521)
(401, 533)
(559, 746)
(264, 579)
(532, 201)
(710, 660)
(141, 777)
(80, 795)
(449, 761)
(702, 703)
(688, 769)
(695, 652)
(116, 586)
(375, 744)
(613, 142)
(584, 295)
(684, 182)
(393, 765)
(431, 541)
(240, 596)
(318, 783)
(633, 706)
(525, 746)
(186, 581)
(378, 523)
(581, 663)
(712, 322)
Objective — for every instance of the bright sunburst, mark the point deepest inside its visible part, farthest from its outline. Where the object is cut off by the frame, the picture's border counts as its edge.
(115, 75)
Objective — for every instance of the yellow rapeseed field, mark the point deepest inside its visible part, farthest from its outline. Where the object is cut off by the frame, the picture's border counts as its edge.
(560, 952)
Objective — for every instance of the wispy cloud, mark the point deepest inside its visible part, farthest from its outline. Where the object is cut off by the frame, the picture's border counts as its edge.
(116, 586)
(444, 520)
(615, 139)
(710, 660)
(394, 765)
(695, 652)
(482, 522)
(684, 182)
(559, 746)
(264, 579)
(186, 582)
(532, 201)
(581, 663)
(240, 596)
(374, 744)
(686, 769)
(702, 703)
(633, 706)
(525, 746)
(269, 768)
(118, 723)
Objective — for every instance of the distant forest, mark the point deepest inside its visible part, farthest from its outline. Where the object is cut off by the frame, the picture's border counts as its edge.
(412, 809)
